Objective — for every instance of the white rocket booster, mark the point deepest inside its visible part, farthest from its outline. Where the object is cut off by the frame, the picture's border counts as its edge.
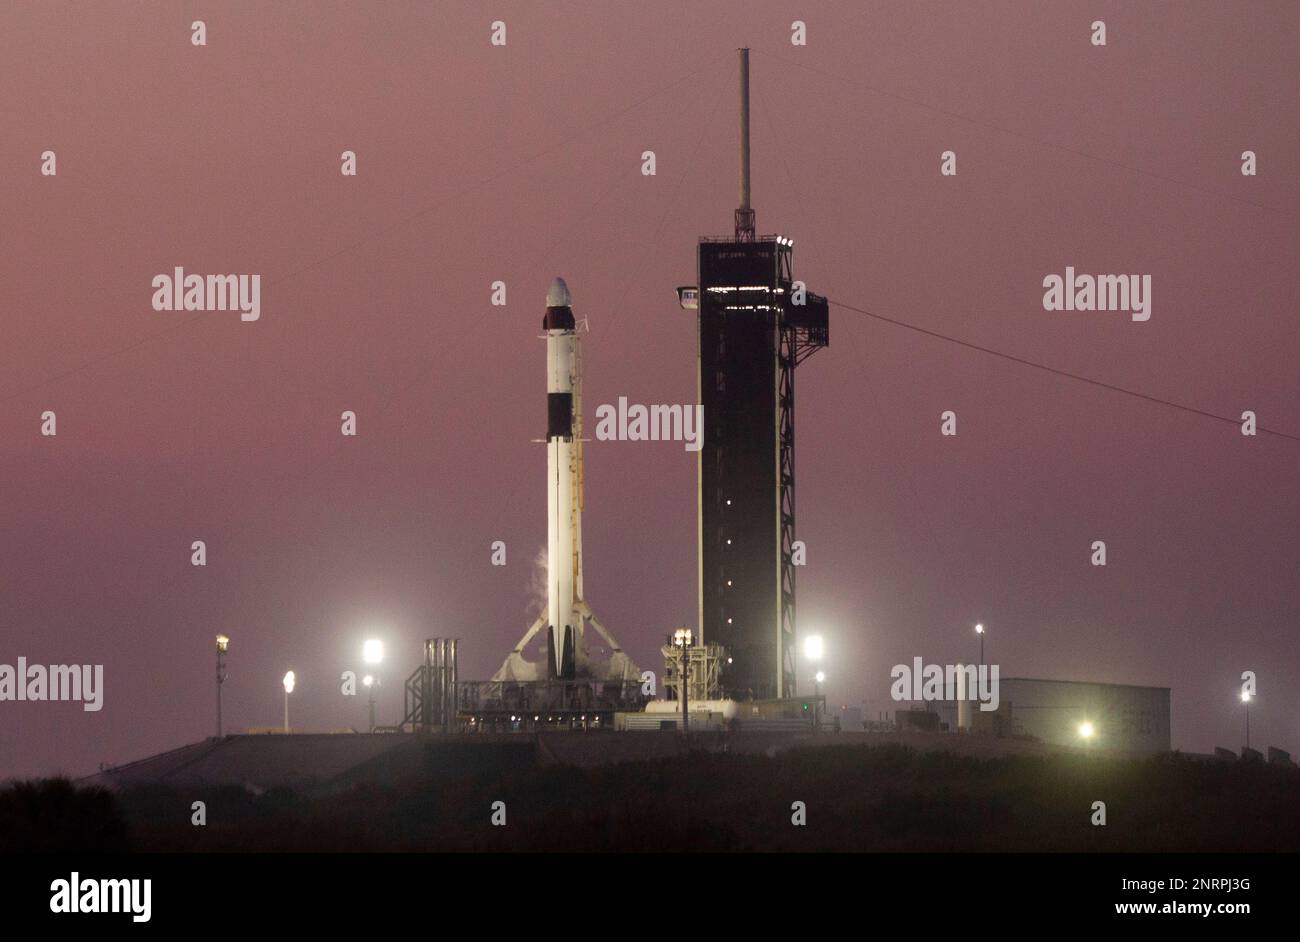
(563, 520)
(567, 615)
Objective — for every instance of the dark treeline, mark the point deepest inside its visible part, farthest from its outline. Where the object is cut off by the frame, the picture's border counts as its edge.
(857, 798)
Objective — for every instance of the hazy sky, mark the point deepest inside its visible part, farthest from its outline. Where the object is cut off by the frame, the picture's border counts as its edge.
(478, 163)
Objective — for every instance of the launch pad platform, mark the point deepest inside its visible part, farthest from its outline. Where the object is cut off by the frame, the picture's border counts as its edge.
(518, 706)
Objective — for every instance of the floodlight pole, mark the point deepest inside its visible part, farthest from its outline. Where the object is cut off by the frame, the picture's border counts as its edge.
(221, 677)
(817, 693)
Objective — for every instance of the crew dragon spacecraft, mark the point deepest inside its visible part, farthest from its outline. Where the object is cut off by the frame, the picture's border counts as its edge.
(567, 614)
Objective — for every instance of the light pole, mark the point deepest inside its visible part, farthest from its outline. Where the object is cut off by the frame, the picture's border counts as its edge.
(818, 679)
(222, 643)
(372, 652)
(682, 639)
(288, 689)
(369, 681)
(979, 630)
(1245, 698)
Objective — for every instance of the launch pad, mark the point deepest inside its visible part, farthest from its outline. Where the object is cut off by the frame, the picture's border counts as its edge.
(506, 706)
(438, 701)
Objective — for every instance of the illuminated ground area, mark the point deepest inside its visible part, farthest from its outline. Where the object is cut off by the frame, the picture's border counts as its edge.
(857, 798)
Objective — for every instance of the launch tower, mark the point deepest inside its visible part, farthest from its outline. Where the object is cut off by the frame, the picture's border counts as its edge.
(756, 324)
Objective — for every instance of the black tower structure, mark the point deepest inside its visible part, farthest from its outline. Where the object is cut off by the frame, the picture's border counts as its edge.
(756, 324)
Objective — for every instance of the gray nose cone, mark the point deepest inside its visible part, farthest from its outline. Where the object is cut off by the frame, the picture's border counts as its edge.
(558, 294)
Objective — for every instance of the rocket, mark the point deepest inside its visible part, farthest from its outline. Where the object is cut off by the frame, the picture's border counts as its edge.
(566, 615)
(563, 484)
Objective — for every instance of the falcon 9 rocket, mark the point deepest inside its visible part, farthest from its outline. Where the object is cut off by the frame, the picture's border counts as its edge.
(563, 520)
(566, 616)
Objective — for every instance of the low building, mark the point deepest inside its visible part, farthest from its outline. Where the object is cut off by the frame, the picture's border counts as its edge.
(1121, 717)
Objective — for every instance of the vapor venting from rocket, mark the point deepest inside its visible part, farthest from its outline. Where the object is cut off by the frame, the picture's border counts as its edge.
(537, 585)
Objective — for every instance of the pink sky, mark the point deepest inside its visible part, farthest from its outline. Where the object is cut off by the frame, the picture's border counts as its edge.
(521, 163)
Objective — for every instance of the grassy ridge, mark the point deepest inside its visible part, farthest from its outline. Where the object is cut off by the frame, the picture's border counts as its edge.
(858, 798)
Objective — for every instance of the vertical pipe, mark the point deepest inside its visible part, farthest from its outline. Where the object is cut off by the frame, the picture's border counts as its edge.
(963, 704)
(444, 688)
(436, 685)
(455, 684)
(744, 129)
(685, 687)
(220, 670)
(433, 708)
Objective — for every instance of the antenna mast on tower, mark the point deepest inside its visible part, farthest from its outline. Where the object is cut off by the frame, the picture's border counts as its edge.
(744, 212)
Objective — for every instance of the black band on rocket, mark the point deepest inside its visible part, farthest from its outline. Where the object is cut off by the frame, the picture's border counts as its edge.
(559, 415)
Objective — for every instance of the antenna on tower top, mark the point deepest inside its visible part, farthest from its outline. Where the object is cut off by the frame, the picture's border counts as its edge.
(744, 212)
